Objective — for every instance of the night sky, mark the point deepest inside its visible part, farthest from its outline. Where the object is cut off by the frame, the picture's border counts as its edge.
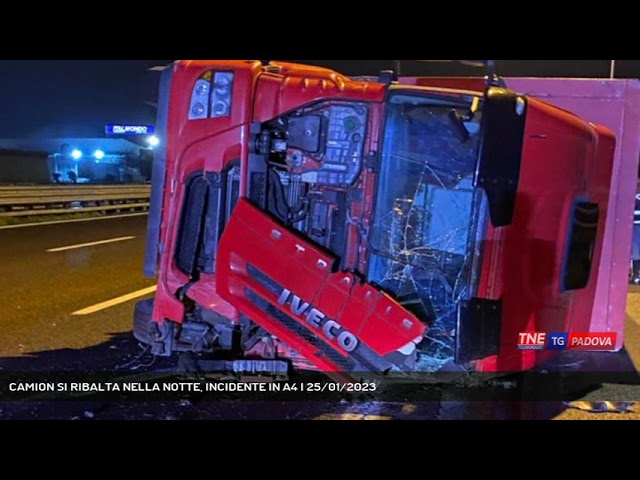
(56, 98)
(74, 97)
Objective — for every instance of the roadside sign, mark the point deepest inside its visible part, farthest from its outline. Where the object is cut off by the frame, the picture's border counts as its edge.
(130, 129)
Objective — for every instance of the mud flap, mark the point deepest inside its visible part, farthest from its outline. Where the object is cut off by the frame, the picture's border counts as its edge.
(478, 329)
(292, 289)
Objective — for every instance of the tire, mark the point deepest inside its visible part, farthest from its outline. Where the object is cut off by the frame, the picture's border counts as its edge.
(142, 321)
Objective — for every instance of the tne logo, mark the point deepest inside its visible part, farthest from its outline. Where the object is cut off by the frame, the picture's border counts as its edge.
(531, 341)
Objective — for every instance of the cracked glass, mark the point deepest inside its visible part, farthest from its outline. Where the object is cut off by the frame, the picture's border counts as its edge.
(428, 218)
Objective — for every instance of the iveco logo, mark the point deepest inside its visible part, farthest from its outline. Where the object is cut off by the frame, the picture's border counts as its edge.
(332, 329)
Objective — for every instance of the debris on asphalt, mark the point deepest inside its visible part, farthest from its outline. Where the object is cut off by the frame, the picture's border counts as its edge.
(602, 407)
(89, 414)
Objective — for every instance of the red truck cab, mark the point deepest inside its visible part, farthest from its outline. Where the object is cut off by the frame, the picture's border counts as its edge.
(349, 225)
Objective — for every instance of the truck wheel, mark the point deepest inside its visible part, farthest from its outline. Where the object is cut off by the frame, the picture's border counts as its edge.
(142, 321)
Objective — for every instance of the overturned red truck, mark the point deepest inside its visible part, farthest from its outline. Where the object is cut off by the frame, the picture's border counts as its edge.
(370, 225)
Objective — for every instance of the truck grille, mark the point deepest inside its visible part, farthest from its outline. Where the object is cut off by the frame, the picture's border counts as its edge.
(292, 325)
(209, 201)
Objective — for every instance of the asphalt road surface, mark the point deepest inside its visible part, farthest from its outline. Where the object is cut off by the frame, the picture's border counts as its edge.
(42, 289)
(69, 291)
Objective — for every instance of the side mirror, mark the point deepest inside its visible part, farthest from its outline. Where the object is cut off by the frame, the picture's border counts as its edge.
(501, 144)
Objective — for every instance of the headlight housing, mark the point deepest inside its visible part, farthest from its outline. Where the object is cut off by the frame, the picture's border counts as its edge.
(212, 95)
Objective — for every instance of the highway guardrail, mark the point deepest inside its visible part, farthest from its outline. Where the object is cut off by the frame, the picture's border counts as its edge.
(66, 199)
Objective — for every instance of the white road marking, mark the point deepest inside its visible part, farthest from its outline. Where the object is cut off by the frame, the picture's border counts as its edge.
(351, 416)
(115, 301)
(90, 244)
(56, 222)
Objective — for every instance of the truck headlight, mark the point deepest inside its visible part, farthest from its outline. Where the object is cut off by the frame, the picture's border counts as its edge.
(200, 98)
(221, 97)
(211, 96)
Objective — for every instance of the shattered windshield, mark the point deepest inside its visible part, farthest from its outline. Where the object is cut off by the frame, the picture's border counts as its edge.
(427, 213)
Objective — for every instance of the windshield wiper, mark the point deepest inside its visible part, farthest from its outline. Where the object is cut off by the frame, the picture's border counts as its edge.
(459, 128)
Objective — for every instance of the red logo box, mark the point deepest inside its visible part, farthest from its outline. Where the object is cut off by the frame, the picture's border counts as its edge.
(598, 341)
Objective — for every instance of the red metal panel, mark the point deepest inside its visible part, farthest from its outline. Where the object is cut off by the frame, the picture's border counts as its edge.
(616, 105)
(298, 85)
(192, 146)
(204, 293)
(557, 169)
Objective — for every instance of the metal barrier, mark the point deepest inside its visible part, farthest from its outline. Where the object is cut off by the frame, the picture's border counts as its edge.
(66, 199)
